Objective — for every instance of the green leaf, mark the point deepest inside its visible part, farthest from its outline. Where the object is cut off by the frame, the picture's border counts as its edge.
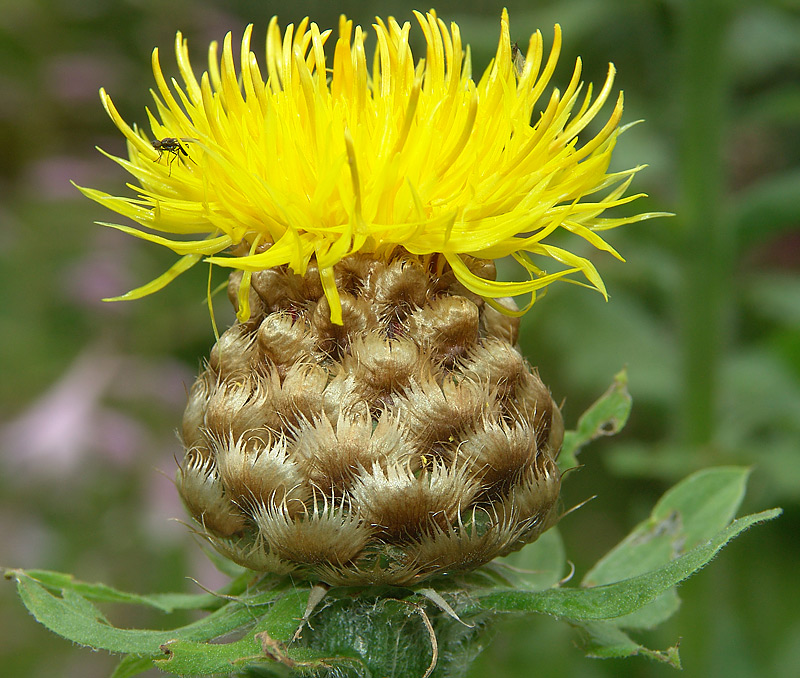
(82, 625)
(654, 613)
(76, 619)
(603, 640)
(606, 417)
(82, 607)
(166, 602)
(186, 657)
(693, 511)
(612, 600)
(132, 666)
(706, 501)
(688, 514)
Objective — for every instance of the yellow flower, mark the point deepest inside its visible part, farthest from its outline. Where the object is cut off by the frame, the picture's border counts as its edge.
(329, 156)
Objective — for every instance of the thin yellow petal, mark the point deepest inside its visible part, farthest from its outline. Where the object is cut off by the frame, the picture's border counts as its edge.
(328, 157)
(181, 266)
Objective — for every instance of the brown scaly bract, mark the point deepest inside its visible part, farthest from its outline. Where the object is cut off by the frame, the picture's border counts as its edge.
(412, 440)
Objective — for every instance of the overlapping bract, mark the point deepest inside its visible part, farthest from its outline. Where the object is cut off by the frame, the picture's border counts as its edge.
(410, 441)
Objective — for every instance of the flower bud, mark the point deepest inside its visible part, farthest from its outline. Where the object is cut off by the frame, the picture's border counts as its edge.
(411, 440)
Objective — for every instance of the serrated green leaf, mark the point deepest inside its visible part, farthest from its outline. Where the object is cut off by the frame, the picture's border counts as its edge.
(186, 657)
(606, 417)
(76, 619)
(612, 600)
(603, 640)
(132, 665)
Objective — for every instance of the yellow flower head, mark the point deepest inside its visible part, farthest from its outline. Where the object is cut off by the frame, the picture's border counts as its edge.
(328, 156)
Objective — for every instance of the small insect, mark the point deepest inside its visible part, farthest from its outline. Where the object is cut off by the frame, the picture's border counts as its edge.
(517, 58)
(170, 145)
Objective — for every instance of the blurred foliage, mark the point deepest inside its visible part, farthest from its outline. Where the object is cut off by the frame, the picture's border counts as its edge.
(705, 314)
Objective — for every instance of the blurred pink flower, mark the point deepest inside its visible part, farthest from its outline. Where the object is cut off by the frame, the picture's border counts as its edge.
(73, 78)
(53, 435)
(103, 269)
(70, 423)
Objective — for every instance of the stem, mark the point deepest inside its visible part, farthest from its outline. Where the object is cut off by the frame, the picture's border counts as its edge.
(706, 245)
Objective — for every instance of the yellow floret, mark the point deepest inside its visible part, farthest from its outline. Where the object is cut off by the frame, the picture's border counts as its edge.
(325, 158)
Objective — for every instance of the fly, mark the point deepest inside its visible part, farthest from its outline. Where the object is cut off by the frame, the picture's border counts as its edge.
(517, 58)
(173, 146)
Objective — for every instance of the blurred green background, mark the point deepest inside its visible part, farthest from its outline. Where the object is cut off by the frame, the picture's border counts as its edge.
(705, 314)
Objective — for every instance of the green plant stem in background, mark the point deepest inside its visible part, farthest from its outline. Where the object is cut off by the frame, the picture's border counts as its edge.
(706, 243)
